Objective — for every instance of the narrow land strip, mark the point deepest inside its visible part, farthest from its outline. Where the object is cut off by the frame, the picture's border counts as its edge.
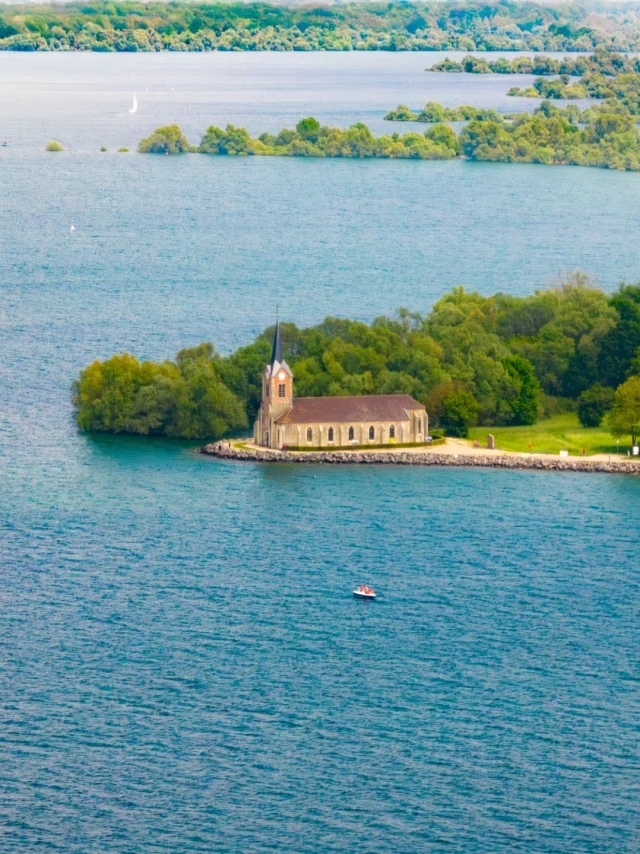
(454, 453)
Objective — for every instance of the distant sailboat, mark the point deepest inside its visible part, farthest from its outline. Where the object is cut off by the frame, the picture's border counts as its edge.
(135, 104)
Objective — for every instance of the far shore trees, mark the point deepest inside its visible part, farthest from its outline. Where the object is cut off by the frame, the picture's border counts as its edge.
(196, 26)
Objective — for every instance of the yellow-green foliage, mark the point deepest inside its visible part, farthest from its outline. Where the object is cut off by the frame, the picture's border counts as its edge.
(186, 399)
(53, 145)
(165, 140)
(309, 139)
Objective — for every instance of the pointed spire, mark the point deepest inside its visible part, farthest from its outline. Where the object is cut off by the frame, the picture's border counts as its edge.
(276, 353)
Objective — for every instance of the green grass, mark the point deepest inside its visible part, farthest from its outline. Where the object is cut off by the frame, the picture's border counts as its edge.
(560, 433)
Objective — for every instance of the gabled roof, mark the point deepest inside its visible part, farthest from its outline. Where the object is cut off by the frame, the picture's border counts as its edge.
(373, 407)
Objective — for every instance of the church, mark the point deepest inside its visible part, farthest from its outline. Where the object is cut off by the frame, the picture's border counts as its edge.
(325, 422)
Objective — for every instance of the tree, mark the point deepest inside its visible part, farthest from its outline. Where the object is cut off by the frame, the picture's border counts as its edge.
(460, 411)
(624, 418)
(620, 345)
(593, 404)
(165, 140)
(525, 405)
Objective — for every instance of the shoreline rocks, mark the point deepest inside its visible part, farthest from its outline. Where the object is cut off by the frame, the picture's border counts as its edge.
(224, 450)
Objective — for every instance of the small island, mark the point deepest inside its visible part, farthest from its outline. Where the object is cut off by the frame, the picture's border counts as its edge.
(602, 61)
(556, 370)
(605, 134)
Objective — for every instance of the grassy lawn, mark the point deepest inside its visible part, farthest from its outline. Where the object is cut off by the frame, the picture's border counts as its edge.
(560, 433)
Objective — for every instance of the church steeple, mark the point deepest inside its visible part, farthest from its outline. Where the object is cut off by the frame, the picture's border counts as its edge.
(276, 352)
(277, 395)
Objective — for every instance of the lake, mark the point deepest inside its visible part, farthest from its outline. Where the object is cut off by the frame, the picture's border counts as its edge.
(182, 666)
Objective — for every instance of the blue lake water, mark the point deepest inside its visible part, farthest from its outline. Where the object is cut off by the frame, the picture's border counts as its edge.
(182, 668)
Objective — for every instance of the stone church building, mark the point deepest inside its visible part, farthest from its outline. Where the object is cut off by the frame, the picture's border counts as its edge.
(323, 422)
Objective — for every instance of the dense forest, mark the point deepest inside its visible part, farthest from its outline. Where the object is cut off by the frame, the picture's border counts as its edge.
(133, 26)
(472, 359)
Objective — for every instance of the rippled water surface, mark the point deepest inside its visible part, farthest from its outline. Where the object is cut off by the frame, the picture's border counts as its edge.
(182, 667)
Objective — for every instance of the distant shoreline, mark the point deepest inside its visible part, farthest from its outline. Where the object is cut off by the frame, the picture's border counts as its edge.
(465, 458)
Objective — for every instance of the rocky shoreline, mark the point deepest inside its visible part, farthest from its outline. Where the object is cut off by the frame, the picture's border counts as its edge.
(225, 451)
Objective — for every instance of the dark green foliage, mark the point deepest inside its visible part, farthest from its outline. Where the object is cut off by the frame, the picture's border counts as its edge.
(470, 359)
(134, 26)
(459, 412)
(593, 405)
(619, 347)
(524, 403)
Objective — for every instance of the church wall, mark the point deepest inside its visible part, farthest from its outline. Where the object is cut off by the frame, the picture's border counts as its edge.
(406, 431)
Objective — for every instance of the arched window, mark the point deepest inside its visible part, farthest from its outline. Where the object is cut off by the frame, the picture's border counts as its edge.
(372, 433)
(330, 434)
(351, 434)
(419, 425)
(309, 435)
(282, 390)
(392, 432)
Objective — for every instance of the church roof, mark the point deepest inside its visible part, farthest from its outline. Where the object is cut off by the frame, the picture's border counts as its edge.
(372, 407)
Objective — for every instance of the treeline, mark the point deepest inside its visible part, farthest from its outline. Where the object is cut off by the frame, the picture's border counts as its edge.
(132, 26)
(601, 62)
(604, 134)
(472, 359)
(619, 94)
(309, 139)
(550, 136)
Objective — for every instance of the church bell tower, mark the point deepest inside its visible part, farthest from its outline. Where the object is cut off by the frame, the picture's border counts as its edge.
(277, 394)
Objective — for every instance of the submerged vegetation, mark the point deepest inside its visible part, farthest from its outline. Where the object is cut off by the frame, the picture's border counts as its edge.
(309, 139)
(619, 94)
(134, 26)
(608, 138)
(550, 136)
(500, 360)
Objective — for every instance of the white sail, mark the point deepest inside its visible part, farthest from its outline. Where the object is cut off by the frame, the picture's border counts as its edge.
(135, 104)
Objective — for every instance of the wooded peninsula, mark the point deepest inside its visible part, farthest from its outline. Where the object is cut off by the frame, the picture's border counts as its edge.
(500, 360)
(604, 134)
(134, 26)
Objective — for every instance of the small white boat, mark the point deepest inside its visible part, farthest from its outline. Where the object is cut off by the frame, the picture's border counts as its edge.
(135, 104)
(364, 592)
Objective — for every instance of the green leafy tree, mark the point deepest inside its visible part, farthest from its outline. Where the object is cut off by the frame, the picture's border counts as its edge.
(525, 403)
(165, 140)
(624, 418)
(459, 412)
(593, 405)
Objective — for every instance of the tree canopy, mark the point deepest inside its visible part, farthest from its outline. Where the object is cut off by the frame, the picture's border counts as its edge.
(497, 360)
(135, 26)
